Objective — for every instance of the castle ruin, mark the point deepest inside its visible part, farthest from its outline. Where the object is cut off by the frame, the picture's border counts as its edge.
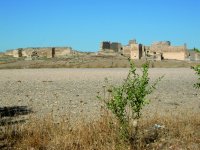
(110, 47)
(156, 51)
(136, 51)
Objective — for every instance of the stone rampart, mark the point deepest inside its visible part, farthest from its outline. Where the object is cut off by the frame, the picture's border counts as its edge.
(48, 52)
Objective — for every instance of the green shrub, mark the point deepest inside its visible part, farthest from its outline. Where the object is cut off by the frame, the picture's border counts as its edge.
(197, 69)
(128, 99)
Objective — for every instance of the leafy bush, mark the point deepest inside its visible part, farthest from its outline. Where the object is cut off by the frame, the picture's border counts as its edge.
(128, 99)
(197, 69)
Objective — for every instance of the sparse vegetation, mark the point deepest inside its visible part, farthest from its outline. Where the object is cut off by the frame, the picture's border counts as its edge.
(128, 99)
(179, 132)
(197, 69)
(175, 131)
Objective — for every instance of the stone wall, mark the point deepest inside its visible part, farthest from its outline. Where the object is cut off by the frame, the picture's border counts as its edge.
(63, 52)
(136, 51)
(117, 47)
(41, 52)
(158, 50)
(168, 51)
(126, 50)
(112, 46)
(48, 52)
(105, 45)
(164, 48)
(174, 55)
(13, 53)
(131, 49)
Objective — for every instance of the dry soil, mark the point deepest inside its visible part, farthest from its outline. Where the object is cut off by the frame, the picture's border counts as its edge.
(74, 91)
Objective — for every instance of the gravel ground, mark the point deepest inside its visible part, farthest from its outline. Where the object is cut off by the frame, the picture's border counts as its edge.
(74, 91)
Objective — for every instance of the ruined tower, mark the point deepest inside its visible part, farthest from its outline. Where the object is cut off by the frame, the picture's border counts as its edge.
(105, 45)
(136, 51)
(20, 52)
(53, 52)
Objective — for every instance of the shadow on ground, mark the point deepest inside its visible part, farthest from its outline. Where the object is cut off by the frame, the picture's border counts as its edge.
(9, 115)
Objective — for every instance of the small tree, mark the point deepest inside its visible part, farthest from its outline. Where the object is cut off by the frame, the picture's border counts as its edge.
(128, 99)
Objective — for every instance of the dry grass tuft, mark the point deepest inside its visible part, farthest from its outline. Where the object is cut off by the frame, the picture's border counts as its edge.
(174, 132)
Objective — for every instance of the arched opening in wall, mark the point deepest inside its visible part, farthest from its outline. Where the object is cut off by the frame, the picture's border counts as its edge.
(53, 52)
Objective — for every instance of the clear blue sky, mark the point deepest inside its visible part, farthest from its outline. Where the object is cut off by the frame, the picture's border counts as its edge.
(83, 24)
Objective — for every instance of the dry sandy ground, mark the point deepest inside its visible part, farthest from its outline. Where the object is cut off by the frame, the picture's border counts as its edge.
(74, 91)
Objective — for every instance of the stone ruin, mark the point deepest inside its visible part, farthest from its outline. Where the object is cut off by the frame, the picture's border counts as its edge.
(34, 53)
(167, 51)
(156, 51)
(110, 48)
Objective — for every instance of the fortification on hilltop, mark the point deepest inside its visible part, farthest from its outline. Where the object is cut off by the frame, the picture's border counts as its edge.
(156, 51)
(162, 50)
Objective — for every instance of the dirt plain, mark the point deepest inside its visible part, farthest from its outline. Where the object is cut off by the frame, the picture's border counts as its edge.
(64, 92)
